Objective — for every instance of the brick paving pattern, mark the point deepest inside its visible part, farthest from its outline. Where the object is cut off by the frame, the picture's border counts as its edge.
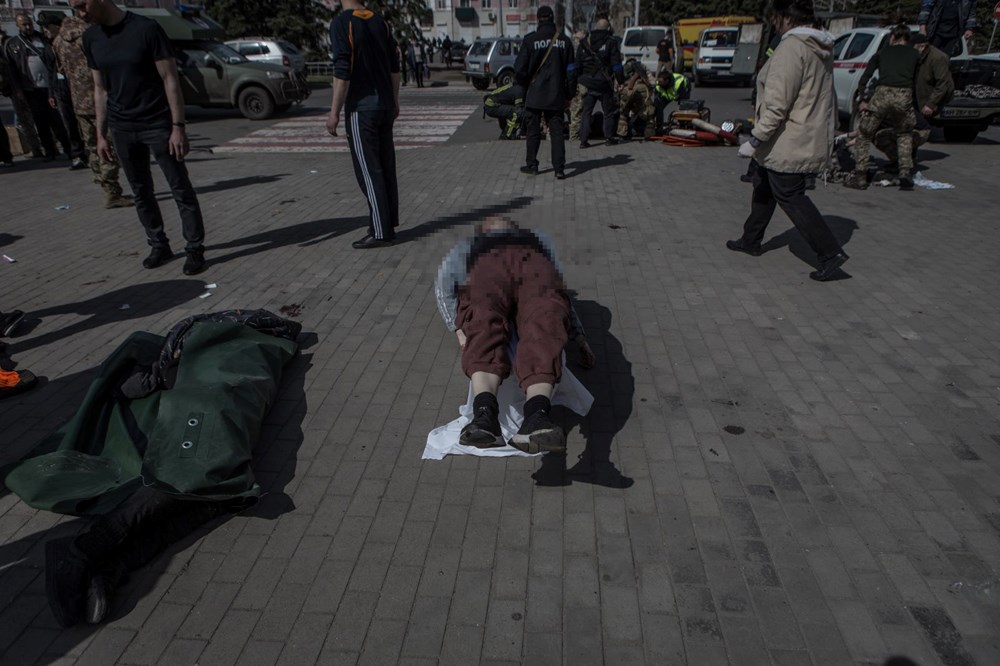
(775, 471)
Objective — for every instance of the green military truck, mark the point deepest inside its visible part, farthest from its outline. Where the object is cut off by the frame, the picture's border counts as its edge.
(214, 75)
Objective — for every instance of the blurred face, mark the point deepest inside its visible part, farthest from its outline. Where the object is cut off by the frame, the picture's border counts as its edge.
(90, 11)
(51, 31)
(24, 25)
(921, 47)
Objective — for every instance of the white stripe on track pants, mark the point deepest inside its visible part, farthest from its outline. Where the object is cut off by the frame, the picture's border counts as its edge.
(369, 134)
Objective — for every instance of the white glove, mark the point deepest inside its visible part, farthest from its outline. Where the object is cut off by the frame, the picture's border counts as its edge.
(747, 150)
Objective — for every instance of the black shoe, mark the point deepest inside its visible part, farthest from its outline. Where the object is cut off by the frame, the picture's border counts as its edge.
(584, 144)
(905, 181)
(538, 434)
(530, 170)
(49, 158)
(195, 262)
(746, 178)
(77, 164)
(66, 576)
(483, 431)
(9, 322)
(560, 174)
(99, 592)
(828, 267)
(741, 246)
(613, 141)
(369, 243)
(159, 255)
(26, 380)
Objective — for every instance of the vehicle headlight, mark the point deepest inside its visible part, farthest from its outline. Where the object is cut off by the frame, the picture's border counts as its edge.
(277, 75)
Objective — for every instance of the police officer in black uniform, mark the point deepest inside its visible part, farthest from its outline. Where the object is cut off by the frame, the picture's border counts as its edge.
(545, 68)
(366, 82)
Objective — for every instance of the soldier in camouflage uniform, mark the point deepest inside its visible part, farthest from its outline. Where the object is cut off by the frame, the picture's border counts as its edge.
(72, 63)
(576, 104)
(637, 99)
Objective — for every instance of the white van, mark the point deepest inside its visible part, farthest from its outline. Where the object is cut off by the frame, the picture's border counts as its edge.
(714, 59)
(640, 43)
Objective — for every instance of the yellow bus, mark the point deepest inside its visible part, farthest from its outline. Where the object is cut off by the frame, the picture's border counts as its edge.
(689, 30)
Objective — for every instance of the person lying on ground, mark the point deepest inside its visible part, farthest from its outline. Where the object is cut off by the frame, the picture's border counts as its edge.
(506, 281)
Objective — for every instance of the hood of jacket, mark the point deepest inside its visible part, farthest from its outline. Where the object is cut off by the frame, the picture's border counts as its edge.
(72, 29)
(819, 42)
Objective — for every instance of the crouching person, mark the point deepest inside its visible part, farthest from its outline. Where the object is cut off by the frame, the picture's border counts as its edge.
(505, 285)
(506, 104)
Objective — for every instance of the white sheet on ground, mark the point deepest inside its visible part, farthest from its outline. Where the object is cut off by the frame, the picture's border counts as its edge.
(442, 441)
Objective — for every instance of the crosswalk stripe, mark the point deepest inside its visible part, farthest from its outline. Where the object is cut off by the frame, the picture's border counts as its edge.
(418, 126)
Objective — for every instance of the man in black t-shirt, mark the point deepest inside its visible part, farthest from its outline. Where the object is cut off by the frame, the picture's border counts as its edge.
(665, 55)
(138, 99)
(366, 85)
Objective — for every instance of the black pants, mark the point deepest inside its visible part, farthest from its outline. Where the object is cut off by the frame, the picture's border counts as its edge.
(608, 106)
(370, 136)
(788, 190)
(139, 529)
(5, 154)
(557, 136)
(134, 149)
(48, 124)
(418, 73)
(65, 103)
(950, 45)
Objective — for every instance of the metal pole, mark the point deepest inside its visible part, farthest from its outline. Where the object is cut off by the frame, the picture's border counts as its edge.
(989, 49)
(635, 20)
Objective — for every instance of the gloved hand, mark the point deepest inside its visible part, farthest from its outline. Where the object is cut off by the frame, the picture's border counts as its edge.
(747, 150)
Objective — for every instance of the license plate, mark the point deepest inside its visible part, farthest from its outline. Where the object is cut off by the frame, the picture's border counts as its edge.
(959, 113)
(474, 68)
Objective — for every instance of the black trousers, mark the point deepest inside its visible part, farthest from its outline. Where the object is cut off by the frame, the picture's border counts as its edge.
(608, 106)
(369, 134)
(134, 150)
(771, 189)
(47, 121)
(557, 136)
(65, 103)
(5, 155)
(138, 530)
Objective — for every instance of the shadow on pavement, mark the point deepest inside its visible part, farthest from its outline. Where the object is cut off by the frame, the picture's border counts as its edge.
(236, 183)
(22, 562)
(843, 229)
(613, 387)
(303, 235)
(9, 239)
(425, 229)
(580, 168)
(144, 299)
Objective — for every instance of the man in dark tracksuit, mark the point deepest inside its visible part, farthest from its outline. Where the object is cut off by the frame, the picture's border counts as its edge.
(545, 68)
(599, 62)
(366, 81)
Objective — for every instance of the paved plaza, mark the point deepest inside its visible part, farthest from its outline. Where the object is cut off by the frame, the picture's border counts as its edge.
(775, 471)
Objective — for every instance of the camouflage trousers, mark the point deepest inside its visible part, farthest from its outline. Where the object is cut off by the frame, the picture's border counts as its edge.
(637, 102)
(105, 173)
(576, 112)
(892, 107)
(885, 140)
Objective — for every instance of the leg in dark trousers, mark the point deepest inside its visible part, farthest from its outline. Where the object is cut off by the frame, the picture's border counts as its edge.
(76, 148)
(587, 115)
(47, 122)
(5, 154)
(369, 134)
(557, 137)
(533, 122)
(610, 109)
(418, 74)
(789, 191)
(133, 155)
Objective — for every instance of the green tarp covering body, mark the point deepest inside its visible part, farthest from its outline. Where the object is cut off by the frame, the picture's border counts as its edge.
(195, 439)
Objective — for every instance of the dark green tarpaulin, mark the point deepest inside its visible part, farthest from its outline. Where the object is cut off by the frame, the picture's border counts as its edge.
(195, 439)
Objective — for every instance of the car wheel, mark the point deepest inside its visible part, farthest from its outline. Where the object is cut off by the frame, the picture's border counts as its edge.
(256, 103)
(480, 84)
(960, 134)
(505, 79)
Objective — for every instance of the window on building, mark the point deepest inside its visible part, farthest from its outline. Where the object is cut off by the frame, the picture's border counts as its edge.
(464, 3)
(533, 3)
(441, 4)
(512, 4)
(487, 4)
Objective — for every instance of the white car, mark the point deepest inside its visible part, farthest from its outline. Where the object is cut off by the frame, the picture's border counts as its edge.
(269, 49)
(714, 59)
(852, 52)
(640, 42)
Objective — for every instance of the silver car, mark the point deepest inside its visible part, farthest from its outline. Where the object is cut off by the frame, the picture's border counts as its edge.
(269, 49)
(491, 60)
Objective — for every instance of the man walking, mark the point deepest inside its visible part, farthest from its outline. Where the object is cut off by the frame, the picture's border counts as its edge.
(71, 61)
(665, 55)
(137, 98)
(32, 69)
(366, 85)
(545, 69)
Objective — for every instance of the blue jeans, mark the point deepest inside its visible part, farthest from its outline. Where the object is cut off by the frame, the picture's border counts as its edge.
(134, 150)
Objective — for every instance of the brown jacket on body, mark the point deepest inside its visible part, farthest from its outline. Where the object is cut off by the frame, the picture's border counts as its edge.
(796, 109)
(934, 85)
(72, 63)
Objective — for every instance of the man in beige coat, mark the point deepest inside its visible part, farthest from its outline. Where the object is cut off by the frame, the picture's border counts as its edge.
(792, 134)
